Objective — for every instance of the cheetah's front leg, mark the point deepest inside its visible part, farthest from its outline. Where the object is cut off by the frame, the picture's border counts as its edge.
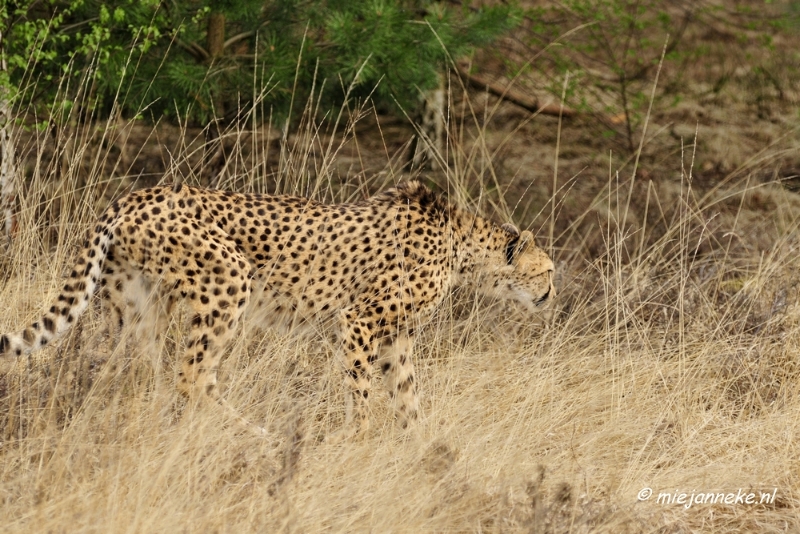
(357, 353)
(397, 366)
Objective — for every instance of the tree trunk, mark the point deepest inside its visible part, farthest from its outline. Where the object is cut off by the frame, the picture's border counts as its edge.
(216, 44)
(428, 148)
(7, 162)
(216, 34)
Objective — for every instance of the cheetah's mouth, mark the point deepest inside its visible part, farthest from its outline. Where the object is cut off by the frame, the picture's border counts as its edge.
(536, 302)
(531, 302)
(544, 298)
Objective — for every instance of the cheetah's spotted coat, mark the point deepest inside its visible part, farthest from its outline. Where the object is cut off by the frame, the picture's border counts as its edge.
(376, 269)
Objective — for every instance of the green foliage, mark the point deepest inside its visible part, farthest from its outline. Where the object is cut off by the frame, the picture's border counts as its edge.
(614, 47)
(155, 52)
(611, 49)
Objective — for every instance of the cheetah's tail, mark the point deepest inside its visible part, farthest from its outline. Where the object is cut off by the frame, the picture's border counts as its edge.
(74, 297)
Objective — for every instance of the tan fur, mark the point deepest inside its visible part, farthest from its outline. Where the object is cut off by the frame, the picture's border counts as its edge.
(374, 270)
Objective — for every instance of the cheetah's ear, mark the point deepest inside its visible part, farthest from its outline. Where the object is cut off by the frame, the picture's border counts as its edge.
(518, 245)
(511, 229)
(526, 240)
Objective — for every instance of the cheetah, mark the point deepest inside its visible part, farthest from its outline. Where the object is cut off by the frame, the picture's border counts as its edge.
(374, 270)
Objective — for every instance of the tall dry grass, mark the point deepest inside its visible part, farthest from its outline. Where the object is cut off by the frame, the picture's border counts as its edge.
(668, 362)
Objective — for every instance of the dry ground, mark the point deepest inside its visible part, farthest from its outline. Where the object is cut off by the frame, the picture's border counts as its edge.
(668, 361)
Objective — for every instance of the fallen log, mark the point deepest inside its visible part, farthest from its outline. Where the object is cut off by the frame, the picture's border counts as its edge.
(513, 96)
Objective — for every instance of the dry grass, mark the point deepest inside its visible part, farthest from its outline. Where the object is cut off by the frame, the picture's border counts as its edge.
(668, 361)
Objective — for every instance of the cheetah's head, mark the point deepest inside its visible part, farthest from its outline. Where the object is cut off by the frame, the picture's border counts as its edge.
(527, 275)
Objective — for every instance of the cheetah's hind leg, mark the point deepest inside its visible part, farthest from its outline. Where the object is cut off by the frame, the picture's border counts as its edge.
(215, 314)
(136, 312)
